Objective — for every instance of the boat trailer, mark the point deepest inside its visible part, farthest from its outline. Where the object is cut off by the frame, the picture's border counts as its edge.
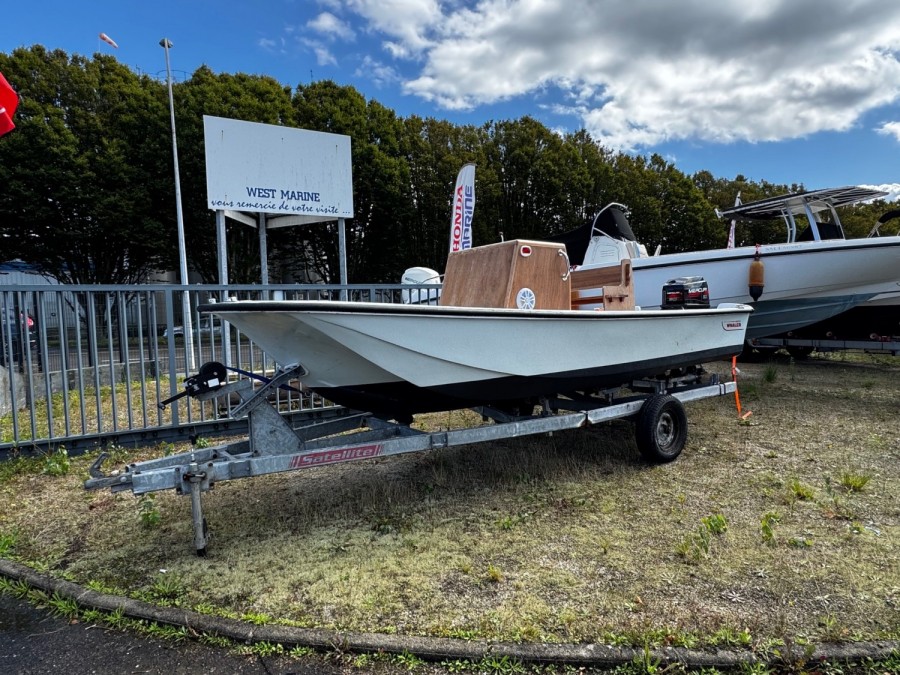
(802, 347)
(273, 445)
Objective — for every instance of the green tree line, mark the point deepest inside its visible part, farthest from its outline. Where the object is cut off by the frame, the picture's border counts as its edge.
(87, 190)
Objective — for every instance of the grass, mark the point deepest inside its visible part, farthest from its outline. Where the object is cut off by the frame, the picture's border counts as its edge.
(563, 538)
(103, 410)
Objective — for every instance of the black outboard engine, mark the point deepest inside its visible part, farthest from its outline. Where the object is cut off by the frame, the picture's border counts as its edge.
(685, 293)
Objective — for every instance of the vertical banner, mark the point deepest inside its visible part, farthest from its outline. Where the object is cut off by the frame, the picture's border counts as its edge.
(737, 202)
(9, 101)
(463, 209)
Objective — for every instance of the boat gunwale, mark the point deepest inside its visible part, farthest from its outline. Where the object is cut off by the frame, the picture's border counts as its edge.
(355, 307)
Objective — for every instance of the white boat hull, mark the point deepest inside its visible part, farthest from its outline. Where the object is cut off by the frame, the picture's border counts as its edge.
(877, 319)
(401, 358)
(805, 282)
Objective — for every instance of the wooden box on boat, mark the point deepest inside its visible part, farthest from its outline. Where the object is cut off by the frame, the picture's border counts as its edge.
(493, 275)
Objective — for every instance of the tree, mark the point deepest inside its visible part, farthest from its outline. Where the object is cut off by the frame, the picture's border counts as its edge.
(80, 171)
(89, 193)
(546, 184)
(381, 186)
(434, 151)
(593, 188)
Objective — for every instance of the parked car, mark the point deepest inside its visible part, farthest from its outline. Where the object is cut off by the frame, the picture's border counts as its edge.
(19, 329)
(205, 327)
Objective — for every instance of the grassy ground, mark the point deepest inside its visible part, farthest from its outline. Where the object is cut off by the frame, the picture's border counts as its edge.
(785, 527)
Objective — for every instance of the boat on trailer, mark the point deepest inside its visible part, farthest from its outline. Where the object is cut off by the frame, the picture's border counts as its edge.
(503, 334)
(815, 274)
(511, 338)
(873, 325)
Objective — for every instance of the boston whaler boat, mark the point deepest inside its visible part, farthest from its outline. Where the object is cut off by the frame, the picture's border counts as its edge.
(815, 274)
(504, 333)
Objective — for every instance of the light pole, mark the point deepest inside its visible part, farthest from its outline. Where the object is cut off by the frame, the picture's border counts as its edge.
(166, 44)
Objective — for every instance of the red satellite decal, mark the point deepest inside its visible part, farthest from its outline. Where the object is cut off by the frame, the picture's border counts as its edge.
(335, 456)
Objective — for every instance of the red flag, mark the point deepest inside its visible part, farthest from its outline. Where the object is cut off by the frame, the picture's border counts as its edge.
(108, 40)
(8, 104)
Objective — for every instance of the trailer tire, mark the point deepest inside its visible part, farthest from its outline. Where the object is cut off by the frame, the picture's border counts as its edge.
(661, 428)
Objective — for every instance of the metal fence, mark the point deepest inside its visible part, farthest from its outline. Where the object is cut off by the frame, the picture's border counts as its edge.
(82, 366)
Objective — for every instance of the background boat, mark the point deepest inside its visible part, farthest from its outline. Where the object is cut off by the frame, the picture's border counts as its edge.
(815, 274)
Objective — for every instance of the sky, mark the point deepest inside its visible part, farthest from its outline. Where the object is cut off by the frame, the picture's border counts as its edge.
(787, 91)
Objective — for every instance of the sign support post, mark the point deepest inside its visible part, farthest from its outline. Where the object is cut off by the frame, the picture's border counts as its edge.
(263, 254)
(342, 252)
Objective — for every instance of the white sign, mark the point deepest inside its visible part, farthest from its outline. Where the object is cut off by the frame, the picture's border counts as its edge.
(270, 169)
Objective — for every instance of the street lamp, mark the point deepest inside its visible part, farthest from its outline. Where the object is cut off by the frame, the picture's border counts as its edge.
(166, 44)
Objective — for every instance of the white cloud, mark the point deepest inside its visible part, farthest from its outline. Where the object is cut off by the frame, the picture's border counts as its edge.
(639, 72)
(324, 57)
(411, 25)
(379, 73)
(331, 27)
(893, 190)
(267, 43)
(890, 129)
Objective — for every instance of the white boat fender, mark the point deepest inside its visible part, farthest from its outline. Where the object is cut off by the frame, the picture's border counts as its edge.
(757, 277)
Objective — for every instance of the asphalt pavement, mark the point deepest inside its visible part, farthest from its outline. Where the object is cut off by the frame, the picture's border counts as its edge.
(35, 642)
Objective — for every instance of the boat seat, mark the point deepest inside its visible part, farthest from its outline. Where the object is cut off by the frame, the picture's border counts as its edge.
(607, 288)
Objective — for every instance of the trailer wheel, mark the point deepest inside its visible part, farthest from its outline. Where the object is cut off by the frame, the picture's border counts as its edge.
(661, 428)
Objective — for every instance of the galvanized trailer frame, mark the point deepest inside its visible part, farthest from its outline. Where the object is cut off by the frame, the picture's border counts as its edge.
(273, 446)
(891, 347)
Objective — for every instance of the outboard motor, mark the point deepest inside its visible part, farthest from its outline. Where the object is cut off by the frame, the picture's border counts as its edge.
(420, 296)
(685, 293)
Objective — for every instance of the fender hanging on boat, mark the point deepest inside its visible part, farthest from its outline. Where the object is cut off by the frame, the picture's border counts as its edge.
(757, 276)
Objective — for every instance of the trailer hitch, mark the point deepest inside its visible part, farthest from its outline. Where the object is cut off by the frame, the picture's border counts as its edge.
(98, 480)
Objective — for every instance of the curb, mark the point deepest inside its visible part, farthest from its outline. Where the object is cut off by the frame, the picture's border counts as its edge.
(429, 648)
